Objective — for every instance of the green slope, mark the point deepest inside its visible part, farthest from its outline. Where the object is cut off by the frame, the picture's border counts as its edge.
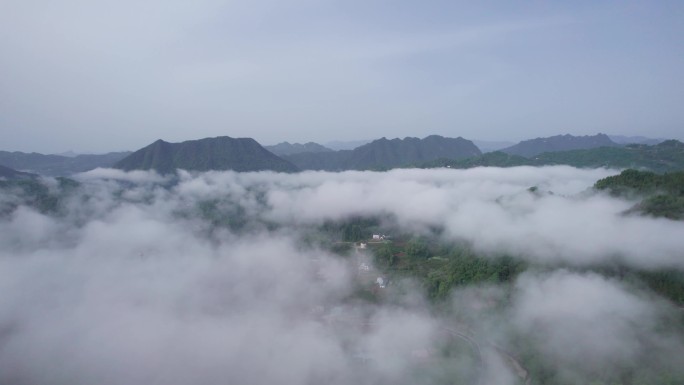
(661, 195)
(667, 156)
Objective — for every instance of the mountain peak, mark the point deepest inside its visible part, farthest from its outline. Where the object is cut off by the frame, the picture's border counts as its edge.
(219, 153)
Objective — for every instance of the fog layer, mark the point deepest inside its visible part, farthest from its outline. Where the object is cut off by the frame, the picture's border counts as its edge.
(128, 284)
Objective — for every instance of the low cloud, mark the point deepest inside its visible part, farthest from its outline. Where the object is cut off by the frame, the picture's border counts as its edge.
(487, 207)
(585, 323)
(127, 283)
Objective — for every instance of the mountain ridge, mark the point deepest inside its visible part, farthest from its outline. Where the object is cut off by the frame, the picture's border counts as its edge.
(386, 153)
(57, 165)
(667, 156)
(287, 148)
(533, 147)
(218, 153)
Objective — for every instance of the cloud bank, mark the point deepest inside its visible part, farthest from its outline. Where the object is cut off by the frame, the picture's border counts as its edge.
(128, 283)
(488, 207)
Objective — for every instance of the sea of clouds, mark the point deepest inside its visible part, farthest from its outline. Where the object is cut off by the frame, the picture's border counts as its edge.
(128, 285)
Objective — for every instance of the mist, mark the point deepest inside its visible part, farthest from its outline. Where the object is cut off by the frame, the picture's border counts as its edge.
(129, 283)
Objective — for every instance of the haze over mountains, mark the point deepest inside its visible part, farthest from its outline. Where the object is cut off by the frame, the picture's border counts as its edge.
(533, 147)
(8, 173)
(226, 277)
(58, 165)
(385, 153)
(667, 156)
(622, 139)
(245, 154)
(286, 265)
(286, 148)
(221, 153)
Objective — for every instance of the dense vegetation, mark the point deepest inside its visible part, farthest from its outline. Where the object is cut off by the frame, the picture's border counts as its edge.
(661, 195)
(490, 159)
(667, 156)
(439, 266)
(33, 192)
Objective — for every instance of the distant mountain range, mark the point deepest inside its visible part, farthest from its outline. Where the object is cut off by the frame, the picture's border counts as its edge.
(533, 147)
(220, 153)
(245, 154)
(286, 148)
(385, 154)
(337, 145)
(58, 165)
(621, 139)
(667, 156)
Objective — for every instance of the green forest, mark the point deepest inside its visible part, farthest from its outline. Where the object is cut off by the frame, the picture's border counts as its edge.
(667, 156)
(659, 195)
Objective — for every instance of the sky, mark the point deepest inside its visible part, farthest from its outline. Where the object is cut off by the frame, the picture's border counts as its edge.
(129, 283)
(107, 76)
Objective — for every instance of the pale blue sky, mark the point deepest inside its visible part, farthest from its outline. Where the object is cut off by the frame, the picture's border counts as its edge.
(102, 76)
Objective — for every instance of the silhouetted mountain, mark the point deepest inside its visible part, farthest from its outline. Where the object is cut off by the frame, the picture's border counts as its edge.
(58, 165)
(384, 154)
(667, 156)
(220, 153)
(286, 148)
(8, 173)
(534, 147)
(621, 139)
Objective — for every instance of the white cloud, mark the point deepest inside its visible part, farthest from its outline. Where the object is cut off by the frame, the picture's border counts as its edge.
(585, 323)
(128, 284)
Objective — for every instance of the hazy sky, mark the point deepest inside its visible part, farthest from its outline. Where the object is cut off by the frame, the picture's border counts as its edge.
(103, 76)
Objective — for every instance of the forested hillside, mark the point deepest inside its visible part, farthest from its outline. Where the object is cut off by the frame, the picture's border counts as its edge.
(661, 195)
(533, 147)
(667, 156)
